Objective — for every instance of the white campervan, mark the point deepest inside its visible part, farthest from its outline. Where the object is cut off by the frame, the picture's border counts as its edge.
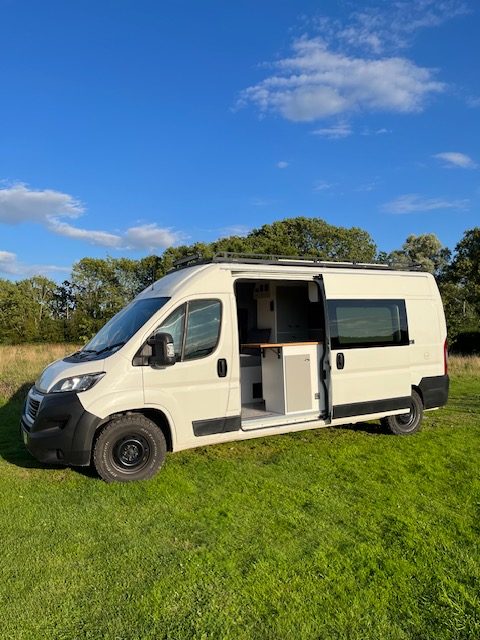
(240, 347)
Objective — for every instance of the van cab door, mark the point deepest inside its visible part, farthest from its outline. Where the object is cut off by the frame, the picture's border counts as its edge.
(195, 390)
(368, 345)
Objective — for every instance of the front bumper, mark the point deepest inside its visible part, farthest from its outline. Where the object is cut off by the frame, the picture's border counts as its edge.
(58, 430)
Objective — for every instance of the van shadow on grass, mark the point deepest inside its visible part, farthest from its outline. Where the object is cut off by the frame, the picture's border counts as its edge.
(372, 428)
(12, 448)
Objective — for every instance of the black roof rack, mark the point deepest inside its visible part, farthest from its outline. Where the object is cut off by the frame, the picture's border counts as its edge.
(286, 261)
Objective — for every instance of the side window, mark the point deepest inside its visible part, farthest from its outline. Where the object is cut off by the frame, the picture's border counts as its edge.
(367, 323)
(203, 328)
(174, 325)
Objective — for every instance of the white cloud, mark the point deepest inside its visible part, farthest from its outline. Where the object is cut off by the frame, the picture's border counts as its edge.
(453, 159)
(282, 164)
(366, 131)
(11, 266)
(261, 202)
(144, 237)
(413, 203)
(234, 230)
(335, 132)
(368, 186)
(473, 102)
(317, 82)
(149, 237)
(101, 238)
(389, 27)
(323, 185)
(19, 204)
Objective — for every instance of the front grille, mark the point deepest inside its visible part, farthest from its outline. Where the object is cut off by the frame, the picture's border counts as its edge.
(32, 408)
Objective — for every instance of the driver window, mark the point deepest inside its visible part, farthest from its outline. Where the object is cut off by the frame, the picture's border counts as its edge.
(203, 328)
(174, 326)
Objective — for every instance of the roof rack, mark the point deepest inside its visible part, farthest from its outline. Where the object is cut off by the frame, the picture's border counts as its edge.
(281, 260)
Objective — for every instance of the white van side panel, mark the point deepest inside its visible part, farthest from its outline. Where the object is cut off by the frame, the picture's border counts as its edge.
(383, 284)
(426, 350)
(372, 374)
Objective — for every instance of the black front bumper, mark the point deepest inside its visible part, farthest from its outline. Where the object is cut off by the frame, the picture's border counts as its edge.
(62, 431)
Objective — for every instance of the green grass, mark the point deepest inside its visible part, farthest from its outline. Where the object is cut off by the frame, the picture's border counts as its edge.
(345, 533)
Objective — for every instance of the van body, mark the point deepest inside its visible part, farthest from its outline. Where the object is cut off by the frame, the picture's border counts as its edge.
(238, 348)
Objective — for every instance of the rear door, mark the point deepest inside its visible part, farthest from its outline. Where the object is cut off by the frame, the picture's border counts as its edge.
(368, 343)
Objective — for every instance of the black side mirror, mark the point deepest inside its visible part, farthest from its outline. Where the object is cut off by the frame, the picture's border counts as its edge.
(163, 350)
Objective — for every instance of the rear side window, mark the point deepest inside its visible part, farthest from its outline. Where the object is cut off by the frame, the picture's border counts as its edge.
(367, 323)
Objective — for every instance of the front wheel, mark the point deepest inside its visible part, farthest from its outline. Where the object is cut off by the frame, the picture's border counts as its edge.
(129, 448)
(406, 423)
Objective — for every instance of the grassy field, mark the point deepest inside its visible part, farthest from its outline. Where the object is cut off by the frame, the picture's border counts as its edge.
(338, 533)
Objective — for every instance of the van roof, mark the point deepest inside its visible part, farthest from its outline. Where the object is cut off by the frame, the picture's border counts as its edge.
(285, 261)
(201, 276)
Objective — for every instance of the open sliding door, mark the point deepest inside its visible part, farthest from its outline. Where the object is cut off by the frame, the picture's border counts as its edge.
(367, 331)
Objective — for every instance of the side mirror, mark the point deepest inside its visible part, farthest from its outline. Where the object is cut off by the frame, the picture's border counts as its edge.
(163, 350)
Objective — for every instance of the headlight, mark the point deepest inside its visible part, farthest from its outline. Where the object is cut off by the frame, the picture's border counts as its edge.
(77, 383)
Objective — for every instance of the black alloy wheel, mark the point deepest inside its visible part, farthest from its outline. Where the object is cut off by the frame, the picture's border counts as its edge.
(131, 452)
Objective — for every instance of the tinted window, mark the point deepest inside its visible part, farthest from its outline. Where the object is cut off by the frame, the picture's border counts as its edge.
(203, 328)
(367, 323)
(174, 325)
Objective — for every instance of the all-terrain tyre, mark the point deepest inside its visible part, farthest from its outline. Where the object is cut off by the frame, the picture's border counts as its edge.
(407, 423)
(129, 448)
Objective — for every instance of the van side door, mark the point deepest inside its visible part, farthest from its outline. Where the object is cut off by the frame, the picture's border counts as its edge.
(368, 341)
(195, 390)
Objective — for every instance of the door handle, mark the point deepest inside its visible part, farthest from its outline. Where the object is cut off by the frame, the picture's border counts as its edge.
(222, 367)
(340, 360)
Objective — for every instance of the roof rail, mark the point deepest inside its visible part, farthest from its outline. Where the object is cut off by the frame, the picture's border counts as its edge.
(187, 261)
(286, 261)
(291, 261)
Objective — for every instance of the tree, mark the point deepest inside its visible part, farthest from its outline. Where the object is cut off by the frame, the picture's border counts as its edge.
(461, 292)
(98, 295)
(465, 267)
(26, 312)
(424, 251)
(312, 237)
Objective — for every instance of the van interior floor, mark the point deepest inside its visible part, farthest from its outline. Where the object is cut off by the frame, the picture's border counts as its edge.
(256, 410)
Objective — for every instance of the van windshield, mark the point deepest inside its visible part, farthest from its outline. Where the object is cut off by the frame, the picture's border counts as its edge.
(123, 326)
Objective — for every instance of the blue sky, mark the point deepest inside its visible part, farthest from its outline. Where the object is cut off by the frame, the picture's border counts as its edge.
(128, 126)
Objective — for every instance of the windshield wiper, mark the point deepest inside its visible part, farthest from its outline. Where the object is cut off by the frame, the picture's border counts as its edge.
(109, 347)
(82, 352)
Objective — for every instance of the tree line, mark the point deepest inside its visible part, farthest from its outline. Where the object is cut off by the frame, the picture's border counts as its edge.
(39, 309)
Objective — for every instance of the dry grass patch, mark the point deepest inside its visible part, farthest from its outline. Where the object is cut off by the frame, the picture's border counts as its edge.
(464, 365)
(22, 363)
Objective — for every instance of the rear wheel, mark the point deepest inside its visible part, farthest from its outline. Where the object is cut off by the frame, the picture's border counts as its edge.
(129, 448)
(406, 423)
